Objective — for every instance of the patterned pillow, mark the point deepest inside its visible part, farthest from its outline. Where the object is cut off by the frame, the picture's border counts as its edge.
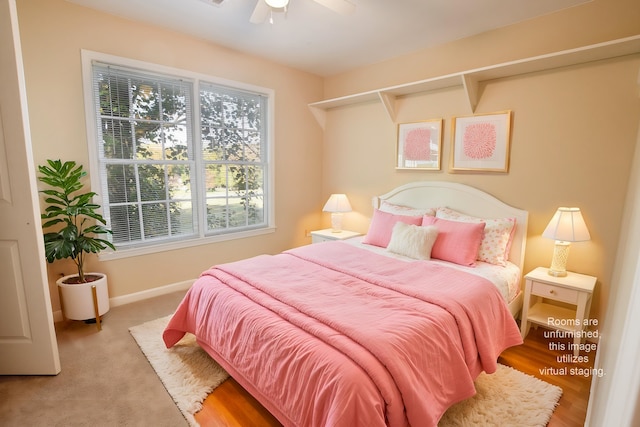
(498, 234)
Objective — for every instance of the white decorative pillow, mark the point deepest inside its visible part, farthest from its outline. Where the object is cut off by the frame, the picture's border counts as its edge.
(405, 210)
(412, 241)
(498, 234)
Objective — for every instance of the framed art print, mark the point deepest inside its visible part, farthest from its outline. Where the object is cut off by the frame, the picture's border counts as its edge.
(419, 145)
(481, 142)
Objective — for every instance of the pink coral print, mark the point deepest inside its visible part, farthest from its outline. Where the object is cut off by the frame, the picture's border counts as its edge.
(416, 144)
(479, 140)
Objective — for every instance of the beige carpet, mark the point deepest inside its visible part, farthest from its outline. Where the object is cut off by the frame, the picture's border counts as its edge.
(506, 398)
(106, 381)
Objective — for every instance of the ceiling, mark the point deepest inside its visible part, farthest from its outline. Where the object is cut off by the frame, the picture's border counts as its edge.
(312, 38)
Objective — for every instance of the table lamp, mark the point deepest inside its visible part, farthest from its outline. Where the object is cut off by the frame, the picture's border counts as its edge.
(337, 205)
(566, 226)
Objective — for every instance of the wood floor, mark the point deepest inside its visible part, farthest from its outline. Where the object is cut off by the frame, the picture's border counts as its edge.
(230, 405)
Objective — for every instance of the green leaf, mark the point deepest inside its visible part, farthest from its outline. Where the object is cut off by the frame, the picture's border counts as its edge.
(52, 222)
(69, 206)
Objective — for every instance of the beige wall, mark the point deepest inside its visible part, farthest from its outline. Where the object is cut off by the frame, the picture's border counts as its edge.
(54, 31)
(573, 131)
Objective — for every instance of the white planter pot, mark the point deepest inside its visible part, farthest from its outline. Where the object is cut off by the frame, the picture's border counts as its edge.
(77, 299)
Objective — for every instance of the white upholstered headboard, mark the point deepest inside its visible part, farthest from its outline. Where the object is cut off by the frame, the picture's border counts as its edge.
(465, 199)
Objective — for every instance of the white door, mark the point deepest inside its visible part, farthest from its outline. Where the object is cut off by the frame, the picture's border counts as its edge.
(27, 336)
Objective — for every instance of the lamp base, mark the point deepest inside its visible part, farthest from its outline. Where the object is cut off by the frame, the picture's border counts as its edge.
(557, 273)
(336, 222)
(559, 262)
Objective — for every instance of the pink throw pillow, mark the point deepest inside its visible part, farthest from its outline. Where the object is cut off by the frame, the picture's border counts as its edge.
(381, 227)
(457, 242)
(498, 235)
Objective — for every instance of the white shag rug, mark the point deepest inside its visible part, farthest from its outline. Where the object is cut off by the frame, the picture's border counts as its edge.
(188, 373)
(505, 398)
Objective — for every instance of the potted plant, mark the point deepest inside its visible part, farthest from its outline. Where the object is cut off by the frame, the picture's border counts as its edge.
(75, 225)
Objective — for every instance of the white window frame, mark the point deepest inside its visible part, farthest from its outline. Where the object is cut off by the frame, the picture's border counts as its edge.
(88, 57)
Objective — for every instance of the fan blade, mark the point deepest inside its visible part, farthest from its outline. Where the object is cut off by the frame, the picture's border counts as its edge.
(260, 13)
(343, 7)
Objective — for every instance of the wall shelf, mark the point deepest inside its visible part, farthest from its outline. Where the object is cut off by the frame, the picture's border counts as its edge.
(470, 80)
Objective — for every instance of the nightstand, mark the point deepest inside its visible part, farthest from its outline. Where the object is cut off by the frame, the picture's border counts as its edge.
(327, 235)
(574, 288)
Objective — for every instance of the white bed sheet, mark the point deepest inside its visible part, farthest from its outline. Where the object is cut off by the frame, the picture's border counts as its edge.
(506, 279)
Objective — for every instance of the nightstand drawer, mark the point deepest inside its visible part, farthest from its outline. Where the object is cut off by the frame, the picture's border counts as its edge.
(327, 235)
(556, 292)
(318, 239)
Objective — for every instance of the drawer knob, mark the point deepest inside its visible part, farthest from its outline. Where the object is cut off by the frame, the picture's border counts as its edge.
(552, 292)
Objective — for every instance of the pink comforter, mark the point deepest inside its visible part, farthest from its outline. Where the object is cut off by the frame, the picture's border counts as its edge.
(334, 335)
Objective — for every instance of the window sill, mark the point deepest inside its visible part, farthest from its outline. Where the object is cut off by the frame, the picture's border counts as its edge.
(127, 253)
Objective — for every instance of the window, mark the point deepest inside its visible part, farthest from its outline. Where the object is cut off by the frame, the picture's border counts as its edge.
(232, 153)
(180, 158)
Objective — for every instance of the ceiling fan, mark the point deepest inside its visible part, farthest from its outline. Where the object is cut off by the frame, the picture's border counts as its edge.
(265, 8)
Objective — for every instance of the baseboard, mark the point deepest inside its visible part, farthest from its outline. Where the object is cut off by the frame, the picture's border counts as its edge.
(139, 296)
(150, 293)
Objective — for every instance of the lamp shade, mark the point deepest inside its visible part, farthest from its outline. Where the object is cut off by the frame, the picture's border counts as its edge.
(337, 203)
(567, 225)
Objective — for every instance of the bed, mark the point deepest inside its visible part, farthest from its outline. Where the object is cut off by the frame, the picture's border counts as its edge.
(354, 333)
